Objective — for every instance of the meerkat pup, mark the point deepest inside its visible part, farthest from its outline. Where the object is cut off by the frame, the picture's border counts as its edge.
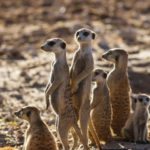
(60, 91)
(38, 136)
(100, 114)
(81, 77)
(136, 125)
(119, 88)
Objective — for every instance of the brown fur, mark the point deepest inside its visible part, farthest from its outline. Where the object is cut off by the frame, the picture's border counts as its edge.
(101, 107)
(119, 88)
(38, 136)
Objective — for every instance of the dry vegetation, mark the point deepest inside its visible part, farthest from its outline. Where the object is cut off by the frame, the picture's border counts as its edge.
(24, 68)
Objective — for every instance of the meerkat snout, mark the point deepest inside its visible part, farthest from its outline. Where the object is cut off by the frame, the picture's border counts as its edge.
(55, 45)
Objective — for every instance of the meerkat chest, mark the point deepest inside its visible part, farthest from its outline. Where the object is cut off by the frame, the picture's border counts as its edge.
(142, 117)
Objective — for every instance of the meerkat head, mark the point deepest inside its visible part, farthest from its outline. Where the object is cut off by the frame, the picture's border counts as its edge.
(115, 55)
(84, 36)
(55, 45)
(28, 113)
(143, 100)
(99, 76)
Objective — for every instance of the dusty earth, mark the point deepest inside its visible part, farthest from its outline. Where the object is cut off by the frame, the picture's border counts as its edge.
(24, 68)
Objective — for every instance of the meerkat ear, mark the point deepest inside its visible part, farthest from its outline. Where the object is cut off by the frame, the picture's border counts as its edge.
(93, 36)
(63, 45)
(28, 113)
(77, 33)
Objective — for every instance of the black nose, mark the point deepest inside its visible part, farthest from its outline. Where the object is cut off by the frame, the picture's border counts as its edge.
(104, 56)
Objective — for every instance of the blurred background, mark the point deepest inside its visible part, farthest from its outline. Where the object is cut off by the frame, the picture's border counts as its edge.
(24, 68)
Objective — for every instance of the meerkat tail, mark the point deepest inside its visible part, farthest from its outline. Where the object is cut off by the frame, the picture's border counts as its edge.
(94, 135)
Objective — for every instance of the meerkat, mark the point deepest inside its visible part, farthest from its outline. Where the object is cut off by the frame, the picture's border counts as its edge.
(37, 136)
(81, 77)
(119, 88)
(136, 126)
(100, 114)
(60, 91)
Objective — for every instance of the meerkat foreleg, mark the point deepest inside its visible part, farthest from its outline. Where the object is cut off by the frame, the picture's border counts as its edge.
(135, 130)
(50, 89)
(81, 77)
(143, 135)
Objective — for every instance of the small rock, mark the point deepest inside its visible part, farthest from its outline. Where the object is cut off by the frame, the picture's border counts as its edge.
(103, 44)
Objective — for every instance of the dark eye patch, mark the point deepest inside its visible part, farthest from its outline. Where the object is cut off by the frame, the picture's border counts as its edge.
(105, 75)
(96, 73)
(51, 43)
(28, 113)
(85, 33)
(140, 99)
(63, 45)
(147, 99)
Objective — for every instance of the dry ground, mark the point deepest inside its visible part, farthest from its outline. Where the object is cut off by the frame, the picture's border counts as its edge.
(24, 68)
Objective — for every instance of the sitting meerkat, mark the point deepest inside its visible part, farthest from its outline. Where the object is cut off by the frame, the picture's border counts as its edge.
(136, 125)
(60, 91)
(119, 88)
(81, 77)
(100, 114)
(38, 136)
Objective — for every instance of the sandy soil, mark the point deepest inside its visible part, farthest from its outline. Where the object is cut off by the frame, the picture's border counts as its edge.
(24, 68)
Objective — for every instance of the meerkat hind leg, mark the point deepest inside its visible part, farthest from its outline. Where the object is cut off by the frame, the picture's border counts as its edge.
(78, 132)
(84, 115)
(63, 128)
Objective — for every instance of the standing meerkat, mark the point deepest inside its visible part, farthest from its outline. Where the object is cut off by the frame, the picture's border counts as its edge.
(60, 91)
(38, 136)
(119, 88)
(100, 114)
(81, 77)
(136, 126)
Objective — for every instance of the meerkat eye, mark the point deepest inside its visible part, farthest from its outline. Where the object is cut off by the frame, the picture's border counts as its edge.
(140, 99)
(28, 113)
(63, 45)
(105, 75)
(85, 33)
(96, 73)
(147, 99)
(117, 58)
(51, 43)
